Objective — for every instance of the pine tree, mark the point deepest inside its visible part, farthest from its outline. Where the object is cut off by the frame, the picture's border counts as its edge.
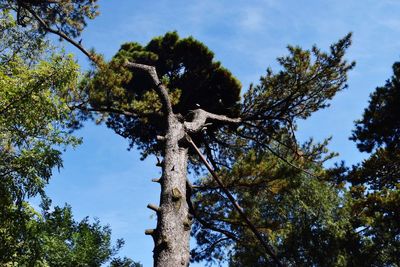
(376, 181)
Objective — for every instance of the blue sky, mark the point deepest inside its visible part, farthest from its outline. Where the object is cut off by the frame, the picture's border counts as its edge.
(102, 179)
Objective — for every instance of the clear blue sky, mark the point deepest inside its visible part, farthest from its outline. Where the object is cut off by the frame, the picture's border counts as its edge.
(102, 179)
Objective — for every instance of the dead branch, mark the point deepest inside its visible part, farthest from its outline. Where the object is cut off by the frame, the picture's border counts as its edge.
(199, 120)
(160, 88)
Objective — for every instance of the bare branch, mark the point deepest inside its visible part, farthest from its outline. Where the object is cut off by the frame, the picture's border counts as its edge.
(200, 116)
(107, 110)
(160, 88)
(153, 207)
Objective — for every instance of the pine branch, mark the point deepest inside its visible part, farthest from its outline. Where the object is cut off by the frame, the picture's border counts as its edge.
(59, 33)
(266, 246)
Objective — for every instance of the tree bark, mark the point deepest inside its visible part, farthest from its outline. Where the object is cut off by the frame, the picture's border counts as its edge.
(172, 235)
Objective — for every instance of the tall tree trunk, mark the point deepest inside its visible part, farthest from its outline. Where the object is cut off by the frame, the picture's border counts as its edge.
(173, 226)
(171, 237)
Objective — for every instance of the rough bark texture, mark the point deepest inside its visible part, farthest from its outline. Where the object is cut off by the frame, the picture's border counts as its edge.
(172, 235)
(173, 227)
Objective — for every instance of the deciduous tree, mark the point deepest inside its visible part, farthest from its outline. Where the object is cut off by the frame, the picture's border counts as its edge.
(34, 129)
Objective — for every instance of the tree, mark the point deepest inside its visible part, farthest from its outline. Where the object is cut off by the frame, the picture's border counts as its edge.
(268, 111)
(69, 16)
(307, 81)
(31, 126)
(312, 219)
(54, 238)
(278, 182)
(34, 129)
(135, 112)
(376, 181)
(380, 126)
(185, 66)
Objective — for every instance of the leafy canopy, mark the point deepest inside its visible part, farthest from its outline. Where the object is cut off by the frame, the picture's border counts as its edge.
(375, 191)
(67, 16)
(186, 67)
(35, 89)
(34, 115)
(380, 124)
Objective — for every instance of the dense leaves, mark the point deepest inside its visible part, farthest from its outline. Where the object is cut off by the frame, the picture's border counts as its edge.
(33, 118)
(35, 88)
(312, 216)
(67, 16)
(53, 238)
(185, 66)
(381, 170)
(26, 44)
(297, 213)
(376, 181)
(380, 125)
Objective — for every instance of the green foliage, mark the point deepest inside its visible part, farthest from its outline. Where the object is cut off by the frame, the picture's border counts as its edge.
(53, 238)
(308, 79)
(375, 190)
(33, 118)
(299, 214)
(35, 90)
(279, 183)
(68, 16)
(185, 66)
(380, 125)
(376, 226)
(70, 243)
(381, 170)
(32, 124)
(125, 262)
(309, 216)
(26, 44)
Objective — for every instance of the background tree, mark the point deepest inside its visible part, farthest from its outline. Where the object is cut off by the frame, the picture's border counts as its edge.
(297, 211)
(376, 181)
(34, 121)
(31, 126)
(66, 18)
